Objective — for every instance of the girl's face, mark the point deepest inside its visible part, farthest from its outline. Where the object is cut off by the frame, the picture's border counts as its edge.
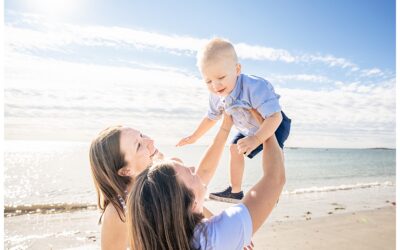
(191, 180)
(138, 150)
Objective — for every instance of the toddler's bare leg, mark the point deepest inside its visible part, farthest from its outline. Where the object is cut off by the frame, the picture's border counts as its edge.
(237, 168)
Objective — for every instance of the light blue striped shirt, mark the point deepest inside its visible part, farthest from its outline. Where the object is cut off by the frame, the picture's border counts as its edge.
(250, 92)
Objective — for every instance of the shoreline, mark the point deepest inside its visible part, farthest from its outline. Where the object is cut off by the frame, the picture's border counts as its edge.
(368, 229)
(294, 205)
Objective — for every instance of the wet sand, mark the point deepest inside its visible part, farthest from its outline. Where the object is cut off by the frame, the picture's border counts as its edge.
(371, 229)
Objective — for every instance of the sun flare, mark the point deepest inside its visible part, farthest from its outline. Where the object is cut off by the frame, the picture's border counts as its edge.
(55, 9)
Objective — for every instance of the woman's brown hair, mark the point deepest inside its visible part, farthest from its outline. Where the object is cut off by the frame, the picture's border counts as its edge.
(159, 213)
(106, 159)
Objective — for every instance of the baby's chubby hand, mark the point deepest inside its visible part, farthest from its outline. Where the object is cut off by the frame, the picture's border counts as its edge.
(247, 144)
(187, 140)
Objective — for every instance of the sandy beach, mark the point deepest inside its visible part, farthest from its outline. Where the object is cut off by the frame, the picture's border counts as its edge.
(374, 229)
(370, 229)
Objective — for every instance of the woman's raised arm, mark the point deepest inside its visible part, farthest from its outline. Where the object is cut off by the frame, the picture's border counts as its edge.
(210, 160)
(262, 197)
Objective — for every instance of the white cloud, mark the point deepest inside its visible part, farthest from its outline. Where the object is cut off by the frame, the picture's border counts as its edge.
(303, 77)
(372, 72)
(45, 97)
(55, 36)
(246, 51)
(355, 112)
(331, 61)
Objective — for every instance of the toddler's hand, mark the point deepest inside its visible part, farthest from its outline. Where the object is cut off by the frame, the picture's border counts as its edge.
(247, 144)
(187, 140)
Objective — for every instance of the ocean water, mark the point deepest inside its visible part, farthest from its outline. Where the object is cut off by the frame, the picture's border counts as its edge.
(44, 175)
(50, 201)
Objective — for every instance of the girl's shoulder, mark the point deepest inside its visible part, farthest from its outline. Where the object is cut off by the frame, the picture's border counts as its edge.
(112, 216)
(113, 230)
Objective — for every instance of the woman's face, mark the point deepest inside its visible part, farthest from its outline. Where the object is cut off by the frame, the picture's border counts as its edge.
(191, 180)
(138, 150)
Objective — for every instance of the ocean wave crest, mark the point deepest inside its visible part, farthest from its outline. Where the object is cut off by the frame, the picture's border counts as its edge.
(46, 208)
(338, 188)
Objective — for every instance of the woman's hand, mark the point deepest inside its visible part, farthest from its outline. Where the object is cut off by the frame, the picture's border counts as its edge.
(257, 116)
(227, 122)
(248, 144)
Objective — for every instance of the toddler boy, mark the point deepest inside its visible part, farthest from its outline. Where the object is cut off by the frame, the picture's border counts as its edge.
(237, 94)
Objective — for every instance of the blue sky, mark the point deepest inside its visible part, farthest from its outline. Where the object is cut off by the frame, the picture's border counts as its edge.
(333, 62)
(363, 31)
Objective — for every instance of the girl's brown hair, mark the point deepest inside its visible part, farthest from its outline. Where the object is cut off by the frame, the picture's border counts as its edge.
(106, 159)
(159, 213)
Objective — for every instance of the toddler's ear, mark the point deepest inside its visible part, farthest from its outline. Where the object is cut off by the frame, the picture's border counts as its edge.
(238, 68)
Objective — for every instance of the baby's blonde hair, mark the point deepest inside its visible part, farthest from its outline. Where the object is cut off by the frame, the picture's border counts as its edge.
(216, 49)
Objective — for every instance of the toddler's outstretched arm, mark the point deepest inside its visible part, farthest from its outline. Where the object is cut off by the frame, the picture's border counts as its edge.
(203, 127)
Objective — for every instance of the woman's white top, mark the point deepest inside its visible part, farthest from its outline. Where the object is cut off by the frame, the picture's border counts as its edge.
(231, 229)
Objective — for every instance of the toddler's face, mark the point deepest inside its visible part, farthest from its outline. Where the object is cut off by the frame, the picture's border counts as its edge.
(220, 76)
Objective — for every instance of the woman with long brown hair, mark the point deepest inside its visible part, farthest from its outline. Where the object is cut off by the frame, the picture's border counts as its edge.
(165, 205)
(117, 155)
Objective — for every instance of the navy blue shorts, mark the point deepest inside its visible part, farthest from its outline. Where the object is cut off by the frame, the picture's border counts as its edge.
(281, 134)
